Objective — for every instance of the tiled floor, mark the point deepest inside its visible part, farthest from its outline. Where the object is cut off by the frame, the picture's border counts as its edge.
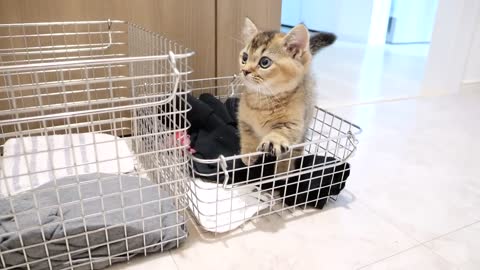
(412, 201)
(349, 73)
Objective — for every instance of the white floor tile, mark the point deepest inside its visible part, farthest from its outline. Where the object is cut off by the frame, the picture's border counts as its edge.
(417, 163)
(346, 235)
(416, 258)
(460, 248)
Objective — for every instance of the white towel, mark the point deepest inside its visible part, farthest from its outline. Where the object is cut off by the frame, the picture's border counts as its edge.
(29, 162)
(222, 210)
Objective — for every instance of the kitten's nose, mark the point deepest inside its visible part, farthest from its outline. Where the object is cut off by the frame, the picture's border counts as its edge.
(246, 72)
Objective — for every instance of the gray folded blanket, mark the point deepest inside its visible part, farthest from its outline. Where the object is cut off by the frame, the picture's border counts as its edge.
(94, 230)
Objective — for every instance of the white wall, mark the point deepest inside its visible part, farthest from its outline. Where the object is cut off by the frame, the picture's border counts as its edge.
(472, 71)
(379, 22)
(414, 20)
(451, 56)
(350, 20)
(291, 12)
(364, 20)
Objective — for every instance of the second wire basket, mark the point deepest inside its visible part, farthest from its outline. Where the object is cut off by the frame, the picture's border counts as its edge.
(224, 193)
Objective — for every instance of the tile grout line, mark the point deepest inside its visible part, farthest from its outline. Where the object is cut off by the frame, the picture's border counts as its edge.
(419, 243)
(406, 250)
(173, 259)
(372, 102)
(450, 232)
(440, 257)
(388, 257)
(377, 101)
(389, 222)
(382, 100)
(443, 235)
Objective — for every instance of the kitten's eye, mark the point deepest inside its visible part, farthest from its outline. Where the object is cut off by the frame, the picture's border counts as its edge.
(244, 58)
(265, 62)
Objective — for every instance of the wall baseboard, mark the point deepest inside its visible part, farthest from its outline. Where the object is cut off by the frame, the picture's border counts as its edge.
(471, 85)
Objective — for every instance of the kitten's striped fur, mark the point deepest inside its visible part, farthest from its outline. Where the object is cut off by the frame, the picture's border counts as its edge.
(276, 108)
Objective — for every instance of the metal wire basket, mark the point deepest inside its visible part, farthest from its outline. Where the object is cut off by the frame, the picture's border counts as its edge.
(225, 199)
(92, 171)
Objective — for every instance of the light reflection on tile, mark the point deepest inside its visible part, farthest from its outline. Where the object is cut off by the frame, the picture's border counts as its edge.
(349, 73)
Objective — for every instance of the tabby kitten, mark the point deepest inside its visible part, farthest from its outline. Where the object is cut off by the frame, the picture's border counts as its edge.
(276, 108)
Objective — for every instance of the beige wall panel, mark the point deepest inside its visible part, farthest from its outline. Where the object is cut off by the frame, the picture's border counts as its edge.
(190, 22)
(230, 17)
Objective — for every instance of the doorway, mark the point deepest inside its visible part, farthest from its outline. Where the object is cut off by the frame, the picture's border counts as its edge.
(381, 50)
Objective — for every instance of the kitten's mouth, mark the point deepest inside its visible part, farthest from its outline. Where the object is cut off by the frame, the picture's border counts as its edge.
(255, 86)
(250, 82)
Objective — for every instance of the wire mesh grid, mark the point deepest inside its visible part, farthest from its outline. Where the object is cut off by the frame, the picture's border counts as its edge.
(92, 171)
(234, 193)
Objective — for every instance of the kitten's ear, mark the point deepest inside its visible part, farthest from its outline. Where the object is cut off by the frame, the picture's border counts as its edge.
(297, 39)
(249, 30)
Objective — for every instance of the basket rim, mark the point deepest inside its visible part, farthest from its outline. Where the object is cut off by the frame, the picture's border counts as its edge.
(91, 62)
(357, 131)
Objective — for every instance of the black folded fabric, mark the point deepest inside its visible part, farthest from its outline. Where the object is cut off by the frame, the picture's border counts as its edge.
(220, 141)
(314, 188)
(262, 169)
(202, 116)
(213, 132)
(231, 105)
(218, 108)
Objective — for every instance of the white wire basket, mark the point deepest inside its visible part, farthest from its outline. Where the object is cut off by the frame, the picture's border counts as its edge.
(91, 171)
(230, 193)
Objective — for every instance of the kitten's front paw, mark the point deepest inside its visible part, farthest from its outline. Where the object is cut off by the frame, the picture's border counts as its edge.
(276, 145)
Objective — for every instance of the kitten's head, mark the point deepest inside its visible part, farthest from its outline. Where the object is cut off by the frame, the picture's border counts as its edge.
(274, 62)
